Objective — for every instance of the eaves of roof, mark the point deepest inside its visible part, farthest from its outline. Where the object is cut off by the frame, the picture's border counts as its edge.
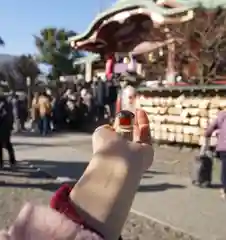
(90, 58)
(151, 6)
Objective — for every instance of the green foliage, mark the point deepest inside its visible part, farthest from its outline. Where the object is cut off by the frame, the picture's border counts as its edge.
(55, 51)
(27, 67)
(15, 72)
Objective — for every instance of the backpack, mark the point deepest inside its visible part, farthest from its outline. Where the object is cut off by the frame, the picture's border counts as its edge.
(202, 171)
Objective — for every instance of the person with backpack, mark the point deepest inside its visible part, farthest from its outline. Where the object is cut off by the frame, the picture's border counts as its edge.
(219, 124)
(6, 127)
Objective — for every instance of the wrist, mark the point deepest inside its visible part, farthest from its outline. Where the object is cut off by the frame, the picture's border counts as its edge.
(104, 194)
(62, 203)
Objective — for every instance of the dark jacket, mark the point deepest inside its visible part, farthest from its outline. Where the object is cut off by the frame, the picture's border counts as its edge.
(111, 92)
(6, 118)
(99, 93)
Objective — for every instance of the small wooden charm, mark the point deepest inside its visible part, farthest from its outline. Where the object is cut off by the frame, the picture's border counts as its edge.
(124, 122)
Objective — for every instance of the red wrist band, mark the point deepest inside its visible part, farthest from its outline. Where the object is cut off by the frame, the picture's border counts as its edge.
(61, 203)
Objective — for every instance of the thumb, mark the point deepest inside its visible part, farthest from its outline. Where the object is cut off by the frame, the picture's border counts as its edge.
(141, 127)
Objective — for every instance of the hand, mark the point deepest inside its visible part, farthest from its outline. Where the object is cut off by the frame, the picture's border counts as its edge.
(104, 137)
(39, 222)
(107, 141)
(114, 172)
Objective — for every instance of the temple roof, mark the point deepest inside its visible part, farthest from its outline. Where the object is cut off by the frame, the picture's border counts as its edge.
(91, 58)
(149, 5)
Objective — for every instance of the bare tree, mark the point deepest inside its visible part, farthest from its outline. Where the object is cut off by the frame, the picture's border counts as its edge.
(204, 45)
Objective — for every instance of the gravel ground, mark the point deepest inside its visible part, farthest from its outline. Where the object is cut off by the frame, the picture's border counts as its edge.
(18, 188)
(169, 159)
(29, 185)
(140, 228)
(173, 160)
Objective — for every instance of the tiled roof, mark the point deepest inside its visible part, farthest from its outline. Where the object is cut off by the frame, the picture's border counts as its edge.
(124, 5)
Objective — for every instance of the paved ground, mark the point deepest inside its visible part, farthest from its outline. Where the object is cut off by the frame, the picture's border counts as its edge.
(164, 196)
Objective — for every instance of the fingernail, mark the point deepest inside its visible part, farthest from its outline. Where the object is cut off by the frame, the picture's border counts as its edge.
(106, 126)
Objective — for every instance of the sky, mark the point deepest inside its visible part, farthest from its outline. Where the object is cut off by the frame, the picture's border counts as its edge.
(21, 19)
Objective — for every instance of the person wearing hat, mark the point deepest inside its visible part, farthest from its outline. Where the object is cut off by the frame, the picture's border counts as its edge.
(128, 101)
(123, 84)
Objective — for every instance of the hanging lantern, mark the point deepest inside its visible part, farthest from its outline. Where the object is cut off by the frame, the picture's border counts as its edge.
(161, 53)
(109, 66)
(150, 57)
(126, 60)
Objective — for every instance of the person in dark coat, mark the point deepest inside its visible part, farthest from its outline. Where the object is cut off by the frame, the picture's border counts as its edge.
(99, 91)
(22, 111)
(14, 101)
(111, 97)
(6, 127)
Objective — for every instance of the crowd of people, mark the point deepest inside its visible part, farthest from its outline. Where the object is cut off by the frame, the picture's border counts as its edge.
(77, 107)
(82, 106)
